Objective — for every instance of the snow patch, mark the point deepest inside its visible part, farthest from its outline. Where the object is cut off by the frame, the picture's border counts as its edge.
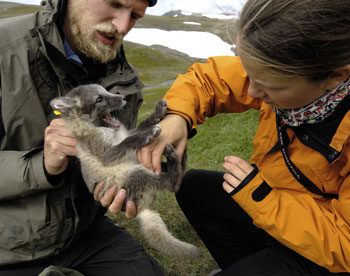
(192, 23)
(194, 44)
(221, 16)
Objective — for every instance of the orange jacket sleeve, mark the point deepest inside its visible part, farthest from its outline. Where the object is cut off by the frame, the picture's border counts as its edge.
(218, 86)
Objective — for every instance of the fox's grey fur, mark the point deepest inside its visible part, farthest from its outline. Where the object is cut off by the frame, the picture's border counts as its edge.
(107, 152)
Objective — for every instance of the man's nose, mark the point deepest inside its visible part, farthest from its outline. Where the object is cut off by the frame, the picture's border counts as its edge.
(121, 21)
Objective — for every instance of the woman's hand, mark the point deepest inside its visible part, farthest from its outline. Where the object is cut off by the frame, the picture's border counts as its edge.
(238, 170)
(174, 132)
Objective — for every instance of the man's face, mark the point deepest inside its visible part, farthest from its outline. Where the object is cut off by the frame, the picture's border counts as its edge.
(95, 28)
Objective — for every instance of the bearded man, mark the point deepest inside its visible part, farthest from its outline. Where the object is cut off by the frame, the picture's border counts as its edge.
(49, 223)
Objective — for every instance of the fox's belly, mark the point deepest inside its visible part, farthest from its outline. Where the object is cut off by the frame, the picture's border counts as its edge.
(94, 171)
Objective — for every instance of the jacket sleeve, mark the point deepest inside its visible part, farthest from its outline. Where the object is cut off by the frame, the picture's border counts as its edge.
(313, 227)
(220, 85)
(21, 172)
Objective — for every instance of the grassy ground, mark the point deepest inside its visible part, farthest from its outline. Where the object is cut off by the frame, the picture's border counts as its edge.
(156, 66)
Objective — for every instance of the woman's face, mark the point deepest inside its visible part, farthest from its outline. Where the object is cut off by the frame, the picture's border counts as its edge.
(279, 90)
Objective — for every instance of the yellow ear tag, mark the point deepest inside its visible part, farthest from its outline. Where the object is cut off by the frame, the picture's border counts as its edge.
(57, 112)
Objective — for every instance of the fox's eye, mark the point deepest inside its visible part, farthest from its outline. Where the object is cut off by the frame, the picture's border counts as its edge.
(99, 99)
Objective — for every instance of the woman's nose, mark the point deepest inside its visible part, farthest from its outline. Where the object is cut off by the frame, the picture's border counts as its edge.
(255, 91)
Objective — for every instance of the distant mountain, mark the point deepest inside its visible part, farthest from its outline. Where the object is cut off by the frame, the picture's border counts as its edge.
(173, 13)
(176, 13)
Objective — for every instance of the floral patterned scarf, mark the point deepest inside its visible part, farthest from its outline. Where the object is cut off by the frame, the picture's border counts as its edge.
(318, 110)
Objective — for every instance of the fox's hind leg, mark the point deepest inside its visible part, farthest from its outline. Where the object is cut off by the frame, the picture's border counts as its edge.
(173, 168)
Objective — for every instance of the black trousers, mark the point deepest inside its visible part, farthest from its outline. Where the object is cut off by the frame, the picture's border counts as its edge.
(105, 249)
(239, 247)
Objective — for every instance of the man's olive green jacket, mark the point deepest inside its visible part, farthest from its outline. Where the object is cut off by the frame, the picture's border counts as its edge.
(39, 218)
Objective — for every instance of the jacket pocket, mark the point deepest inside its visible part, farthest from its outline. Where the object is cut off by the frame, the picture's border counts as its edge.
(25, 223)
(32, 152)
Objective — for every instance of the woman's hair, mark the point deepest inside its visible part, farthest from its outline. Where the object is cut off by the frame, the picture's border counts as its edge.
(310, 38)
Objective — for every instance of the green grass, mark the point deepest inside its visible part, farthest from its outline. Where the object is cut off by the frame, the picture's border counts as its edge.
(222, 135)
(155, 66)
(16, 9)
(150, 98)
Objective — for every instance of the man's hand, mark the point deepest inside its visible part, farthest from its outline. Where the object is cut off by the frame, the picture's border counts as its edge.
(174, 132)
(238, 170)
(114, 200)
(58, 145)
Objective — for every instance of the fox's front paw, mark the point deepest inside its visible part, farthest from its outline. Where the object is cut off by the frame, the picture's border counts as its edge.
(156, 129)
(152, 133)
(160, 110)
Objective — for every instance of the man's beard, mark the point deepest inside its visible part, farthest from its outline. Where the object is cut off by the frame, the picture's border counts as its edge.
(84, 36)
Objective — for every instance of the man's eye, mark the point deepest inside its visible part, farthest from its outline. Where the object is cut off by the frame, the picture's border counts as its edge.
(135, 16)
(113, 4)
(116, 5)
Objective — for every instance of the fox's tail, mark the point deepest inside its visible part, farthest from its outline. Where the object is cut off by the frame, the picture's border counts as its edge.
(157, 235)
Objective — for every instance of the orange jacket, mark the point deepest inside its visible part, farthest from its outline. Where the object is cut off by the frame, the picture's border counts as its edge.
(315, 227)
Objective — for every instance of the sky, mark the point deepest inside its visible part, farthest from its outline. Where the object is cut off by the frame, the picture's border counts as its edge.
(196, 6)
(194, 44)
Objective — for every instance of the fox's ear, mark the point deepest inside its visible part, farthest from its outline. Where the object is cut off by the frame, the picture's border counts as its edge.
(61, 105)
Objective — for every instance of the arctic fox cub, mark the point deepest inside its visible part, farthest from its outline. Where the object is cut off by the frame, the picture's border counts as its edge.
(107, 152)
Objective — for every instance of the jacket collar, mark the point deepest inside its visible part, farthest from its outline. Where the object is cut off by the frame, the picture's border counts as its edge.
(329, 136)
